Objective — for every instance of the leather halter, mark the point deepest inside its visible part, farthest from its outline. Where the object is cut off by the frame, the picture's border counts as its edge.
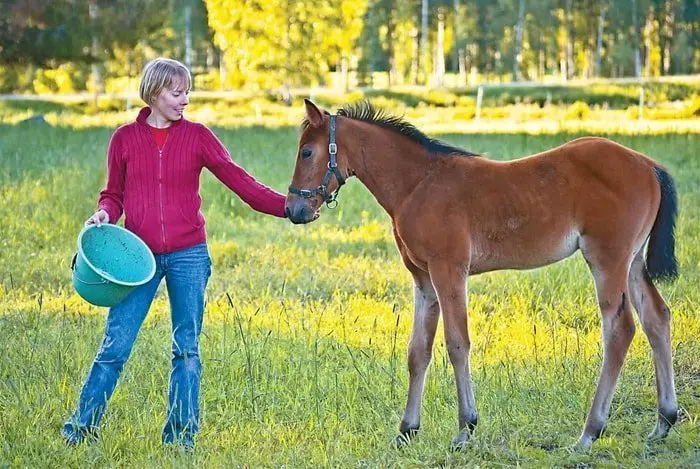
(332, 170)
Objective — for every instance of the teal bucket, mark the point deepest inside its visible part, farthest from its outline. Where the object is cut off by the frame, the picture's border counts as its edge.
(109, 264)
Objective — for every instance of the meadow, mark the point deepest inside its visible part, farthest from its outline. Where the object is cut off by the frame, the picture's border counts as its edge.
(306, 327)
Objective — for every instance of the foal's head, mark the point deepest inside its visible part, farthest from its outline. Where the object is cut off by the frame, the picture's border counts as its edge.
(320, 168)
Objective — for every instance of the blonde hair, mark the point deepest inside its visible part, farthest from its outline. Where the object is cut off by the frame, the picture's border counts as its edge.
(160, 73)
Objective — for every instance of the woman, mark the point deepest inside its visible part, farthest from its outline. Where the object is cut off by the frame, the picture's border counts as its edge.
(153, 170)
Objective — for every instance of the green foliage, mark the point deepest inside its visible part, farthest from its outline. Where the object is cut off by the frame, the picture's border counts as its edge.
(388, 103)
(51, 32)
(208, 81)
(679, 110)
(334, 100)
(62, 80)
(14, 79)
(440, 98)
(263, 44)
(464, 113)
(614, 96)
(579, 110)
(43, 32)
(272, 43)
(120, 84)
(694, 106)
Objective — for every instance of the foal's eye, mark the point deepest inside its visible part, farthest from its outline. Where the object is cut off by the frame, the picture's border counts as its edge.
(306, 153)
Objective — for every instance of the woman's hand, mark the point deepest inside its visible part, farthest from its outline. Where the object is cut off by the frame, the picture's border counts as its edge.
(98, 218)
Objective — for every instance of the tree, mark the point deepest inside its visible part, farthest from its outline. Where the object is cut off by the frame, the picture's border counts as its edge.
(267, 43)
(599, 39)
(518, 40)
(424, 41)
(43, 32)
(569, 40)
(376, 42)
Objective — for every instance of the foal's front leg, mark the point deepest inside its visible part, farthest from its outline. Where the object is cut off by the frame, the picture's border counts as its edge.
(426, 313)
(449, 280)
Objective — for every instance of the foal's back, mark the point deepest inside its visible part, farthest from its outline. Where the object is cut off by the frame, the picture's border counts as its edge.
(539, 209)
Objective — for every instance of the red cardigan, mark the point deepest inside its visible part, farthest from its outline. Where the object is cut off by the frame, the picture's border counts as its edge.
(158, 190)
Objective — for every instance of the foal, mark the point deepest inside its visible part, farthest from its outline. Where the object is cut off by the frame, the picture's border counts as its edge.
(455, 214)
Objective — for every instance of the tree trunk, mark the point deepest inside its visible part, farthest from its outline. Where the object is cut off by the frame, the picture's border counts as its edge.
(440, 52)
(666, 35)
(286, 43)
(424, 41)
(637, 52)
(542, 66)
(130, 74)
(457, 35)
(97, 75)
(222, 71)
(599, 42)
(498, 64)
(414, 57)
(474, 65)
(188, 36)
(517, 58)
(648, 43)
(569, 40)
(211, 56)
(345, 73)
(480, 51)
(390, 43)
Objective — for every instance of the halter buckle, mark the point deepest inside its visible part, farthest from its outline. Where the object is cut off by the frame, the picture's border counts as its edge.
(332, 148)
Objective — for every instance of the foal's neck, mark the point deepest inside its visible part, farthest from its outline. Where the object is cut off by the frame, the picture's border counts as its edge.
(389, 166)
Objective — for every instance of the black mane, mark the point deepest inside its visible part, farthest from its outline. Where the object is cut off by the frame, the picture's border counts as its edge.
(364, 111)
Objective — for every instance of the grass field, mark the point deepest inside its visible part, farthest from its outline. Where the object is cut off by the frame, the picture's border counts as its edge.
(306, 327)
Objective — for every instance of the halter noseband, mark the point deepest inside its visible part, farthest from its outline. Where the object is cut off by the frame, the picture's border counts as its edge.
(328, 198)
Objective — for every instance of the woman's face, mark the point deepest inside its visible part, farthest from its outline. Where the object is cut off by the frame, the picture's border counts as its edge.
(171, 102)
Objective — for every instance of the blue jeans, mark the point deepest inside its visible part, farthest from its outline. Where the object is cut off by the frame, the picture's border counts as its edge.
(186, 274)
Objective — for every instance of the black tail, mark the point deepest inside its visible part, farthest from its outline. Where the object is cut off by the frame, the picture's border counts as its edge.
(661, 259)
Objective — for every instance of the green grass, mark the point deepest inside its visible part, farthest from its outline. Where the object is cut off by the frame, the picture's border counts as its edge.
(306, 328)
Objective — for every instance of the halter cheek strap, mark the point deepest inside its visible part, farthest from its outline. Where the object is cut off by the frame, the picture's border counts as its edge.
(328, 198)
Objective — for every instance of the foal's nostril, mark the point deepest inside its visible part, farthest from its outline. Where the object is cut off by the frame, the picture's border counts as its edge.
(297, 212)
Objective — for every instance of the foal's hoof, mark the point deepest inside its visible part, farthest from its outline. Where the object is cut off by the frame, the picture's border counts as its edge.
(582, 445)
(660, 431)
(663, 426)
(404, 438)
(461, 441)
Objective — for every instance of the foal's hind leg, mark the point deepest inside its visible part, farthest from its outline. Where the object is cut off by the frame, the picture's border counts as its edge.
(655, 318)
(426, 313)
(618, 330)
(450, 284)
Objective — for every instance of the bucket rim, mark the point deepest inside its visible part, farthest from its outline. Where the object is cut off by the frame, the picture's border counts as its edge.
(107, 275)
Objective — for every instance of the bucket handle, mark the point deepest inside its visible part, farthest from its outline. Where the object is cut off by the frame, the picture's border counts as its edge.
(101, 282)
(72, 267)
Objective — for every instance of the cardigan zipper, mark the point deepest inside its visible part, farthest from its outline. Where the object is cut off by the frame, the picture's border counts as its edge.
(160, 191)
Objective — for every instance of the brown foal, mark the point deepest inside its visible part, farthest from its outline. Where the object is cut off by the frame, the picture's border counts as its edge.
(456, 214)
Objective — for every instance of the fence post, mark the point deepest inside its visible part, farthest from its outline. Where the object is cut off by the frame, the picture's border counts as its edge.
(479, 99)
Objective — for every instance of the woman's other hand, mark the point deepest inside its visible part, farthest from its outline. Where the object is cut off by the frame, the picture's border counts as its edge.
(98, 218)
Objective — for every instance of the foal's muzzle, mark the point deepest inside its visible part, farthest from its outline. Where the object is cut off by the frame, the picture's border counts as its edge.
(299, 211)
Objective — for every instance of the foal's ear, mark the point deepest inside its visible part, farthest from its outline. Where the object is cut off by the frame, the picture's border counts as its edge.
(313, 114)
